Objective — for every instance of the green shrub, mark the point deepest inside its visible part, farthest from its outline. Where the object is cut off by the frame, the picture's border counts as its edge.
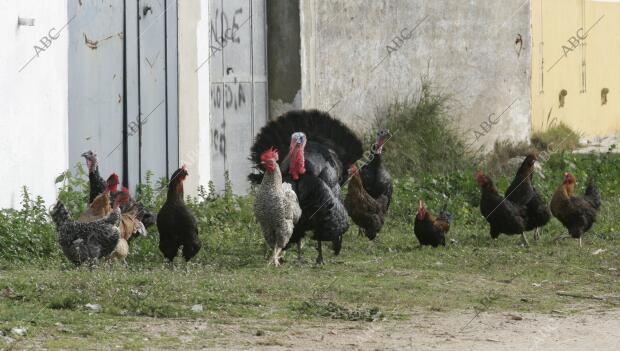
(425, 136)
(27, 234)
(231, 237)
(558, 137)
(73, 190)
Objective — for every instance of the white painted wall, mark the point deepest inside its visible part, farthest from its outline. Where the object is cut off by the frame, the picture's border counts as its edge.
(194, 150)
(204, 99)
(33, 108)
(189, 116)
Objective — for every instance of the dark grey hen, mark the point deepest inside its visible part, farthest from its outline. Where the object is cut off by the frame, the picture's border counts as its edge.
(86, 242)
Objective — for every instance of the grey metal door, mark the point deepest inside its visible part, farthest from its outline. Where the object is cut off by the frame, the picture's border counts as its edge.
(238, 75)
(154, 147)
(123, 86)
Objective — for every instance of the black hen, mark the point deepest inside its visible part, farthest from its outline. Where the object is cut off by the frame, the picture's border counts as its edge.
(430, 230)
(86, 242)
(523, 193)
(320, 151)
(176, 223)
(376, 179)
(577, 214)
(503, 215)
(96, 184)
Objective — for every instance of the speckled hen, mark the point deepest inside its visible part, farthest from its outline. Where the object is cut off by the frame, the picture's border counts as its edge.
(276, 206)
(86, 242)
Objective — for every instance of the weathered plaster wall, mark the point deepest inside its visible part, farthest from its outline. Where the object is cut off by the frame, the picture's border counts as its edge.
(469, 49)
(33, 112)
(284, 66)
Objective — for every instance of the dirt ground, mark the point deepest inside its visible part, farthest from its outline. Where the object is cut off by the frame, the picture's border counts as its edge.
(436, 331)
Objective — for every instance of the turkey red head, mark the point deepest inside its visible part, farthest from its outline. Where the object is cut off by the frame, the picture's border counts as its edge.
(421, 210)
(383, 135)
(269, 160)
(112, 183)
(91, 160)
(296, 155)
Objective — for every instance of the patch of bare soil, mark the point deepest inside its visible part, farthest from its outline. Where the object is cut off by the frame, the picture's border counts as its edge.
(436, 331)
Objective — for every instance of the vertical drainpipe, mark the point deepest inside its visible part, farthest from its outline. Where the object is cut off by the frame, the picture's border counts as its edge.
(139, 98)
(178, 78)
(166, 81)
(125, 119)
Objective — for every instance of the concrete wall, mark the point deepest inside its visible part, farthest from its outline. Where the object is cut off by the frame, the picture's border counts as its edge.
(283, 60)
(468, 48)
(33, 112)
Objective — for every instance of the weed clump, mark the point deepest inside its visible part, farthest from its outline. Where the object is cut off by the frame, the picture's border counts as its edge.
(425, 136)
(27, 234)
(557, 138)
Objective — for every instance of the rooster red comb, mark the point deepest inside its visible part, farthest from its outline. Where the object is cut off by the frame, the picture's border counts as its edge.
(481, 178)
(113, 178)
(270, 154)
(125, 190)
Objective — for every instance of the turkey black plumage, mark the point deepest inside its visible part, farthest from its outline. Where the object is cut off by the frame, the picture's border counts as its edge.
(320, 150)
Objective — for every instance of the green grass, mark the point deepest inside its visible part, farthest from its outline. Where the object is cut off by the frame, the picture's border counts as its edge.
(389, 279)
(148, 304)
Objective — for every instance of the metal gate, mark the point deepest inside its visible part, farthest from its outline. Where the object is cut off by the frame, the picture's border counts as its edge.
(123, 94)
(238, 77)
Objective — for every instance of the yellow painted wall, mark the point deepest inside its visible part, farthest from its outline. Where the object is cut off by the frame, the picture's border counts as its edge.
(594, 64)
